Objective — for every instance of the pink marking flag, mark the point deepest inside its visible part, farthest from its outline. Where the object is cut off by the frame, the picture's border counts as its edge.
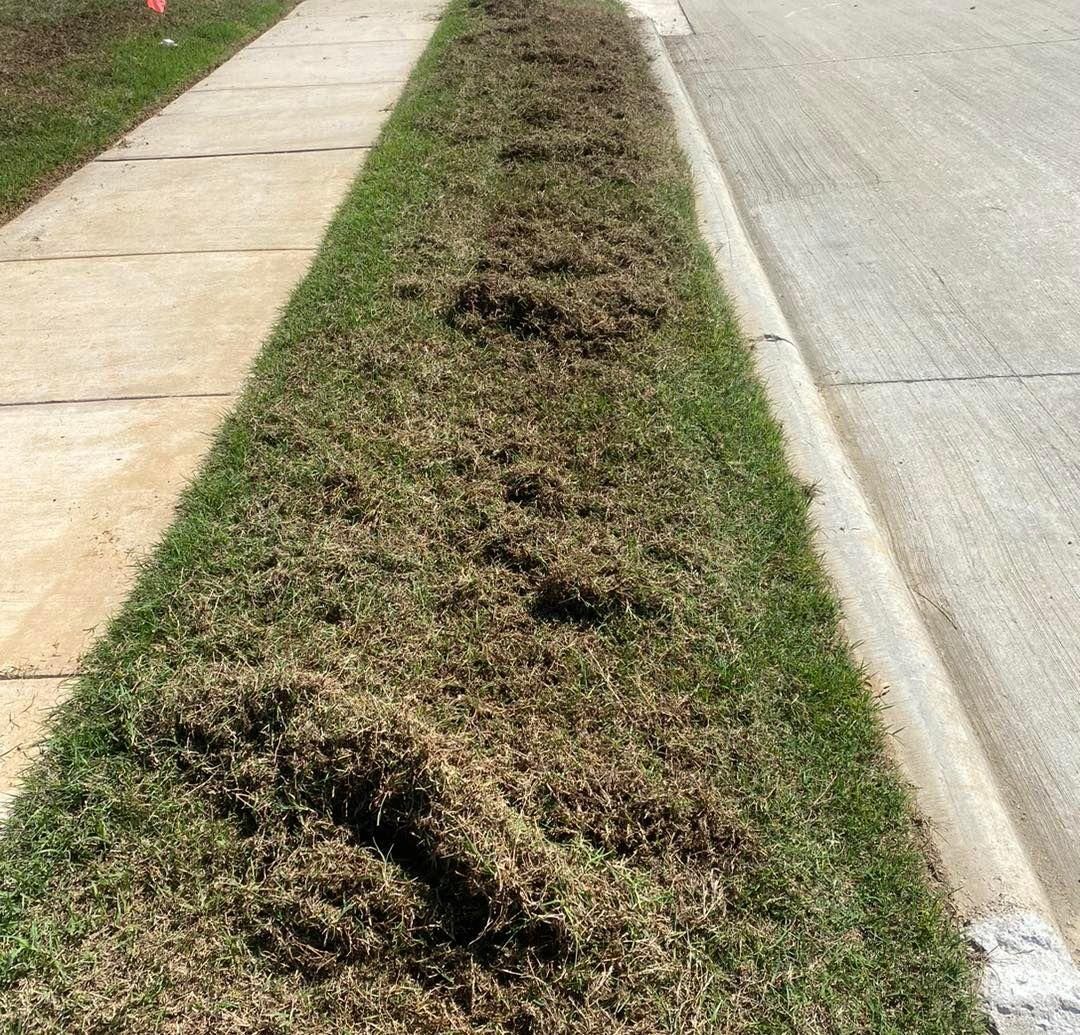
(157, 5)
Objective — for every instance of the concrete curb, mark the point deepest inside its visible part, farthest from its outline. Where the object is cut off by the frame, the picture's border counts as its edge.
(984, 859)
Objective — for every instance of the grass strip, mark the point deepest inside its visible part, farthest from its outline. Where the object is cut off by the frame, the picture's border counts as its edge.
(75, 75)
(487, 681)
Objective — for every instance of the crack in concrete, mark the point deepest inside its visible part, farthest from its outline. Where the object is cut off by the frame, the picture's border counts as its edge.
(136, 255)
(104, 159)
(118, 398)
(947, 380)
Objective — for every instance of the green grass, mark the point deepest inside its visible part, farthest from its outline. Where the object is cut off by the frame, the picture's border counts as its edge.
(487, 681)
(75, 75)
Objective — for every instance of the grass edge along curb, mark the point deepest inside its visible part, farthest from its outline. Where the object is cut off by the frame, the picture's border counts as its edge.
(487, 680)
(1007, 918)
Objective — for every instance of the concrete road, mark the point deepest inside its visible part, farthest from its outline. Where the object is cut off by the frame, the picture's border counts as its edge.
(132, 301)
(910, 173)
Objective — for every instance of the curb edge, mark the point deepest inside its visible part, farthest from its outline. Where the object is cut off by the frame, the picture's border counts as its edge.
(987, 866)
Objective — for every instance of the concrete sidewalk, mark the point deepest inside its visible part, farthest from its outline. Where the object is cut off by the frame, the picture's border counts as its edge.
(135, 296)
(910, 175)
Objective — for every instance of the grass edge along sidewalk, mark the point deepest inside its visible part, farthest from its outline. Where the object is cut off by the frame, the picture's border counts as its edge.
(76, 75)
(487, 680)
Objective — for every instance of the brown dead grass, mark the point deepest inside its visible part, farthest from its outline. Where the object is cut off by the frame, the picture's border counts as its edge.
(75, 75)
(33, 48)
(437, 816)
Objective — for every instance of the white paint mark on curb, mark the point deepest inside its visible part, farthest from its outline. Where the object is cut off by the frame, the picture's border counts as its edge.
(1030, 983)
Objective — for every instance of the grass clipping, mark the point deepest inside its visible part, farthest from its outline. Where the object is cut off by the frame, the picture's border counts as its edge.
(487, 682)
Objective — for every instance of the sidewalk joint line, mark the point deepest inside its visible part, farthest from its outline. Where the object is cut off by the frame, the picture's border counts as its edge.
(117, 398)
(136, 255)
(296, 86)
(888, 57)
(232, 154)
(337, 43)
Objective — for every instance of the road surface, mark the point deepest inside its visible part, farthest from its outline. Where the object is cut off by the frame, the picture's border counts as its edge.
(910, 173)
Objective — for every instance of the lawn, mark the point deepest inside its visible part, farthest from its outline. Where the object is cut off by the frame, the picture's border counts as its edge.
(487, 681)
(77, 74)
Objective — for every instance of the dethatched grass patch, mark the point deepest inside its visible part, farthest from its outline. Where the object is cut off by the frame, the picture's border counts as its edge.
(487, 682)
